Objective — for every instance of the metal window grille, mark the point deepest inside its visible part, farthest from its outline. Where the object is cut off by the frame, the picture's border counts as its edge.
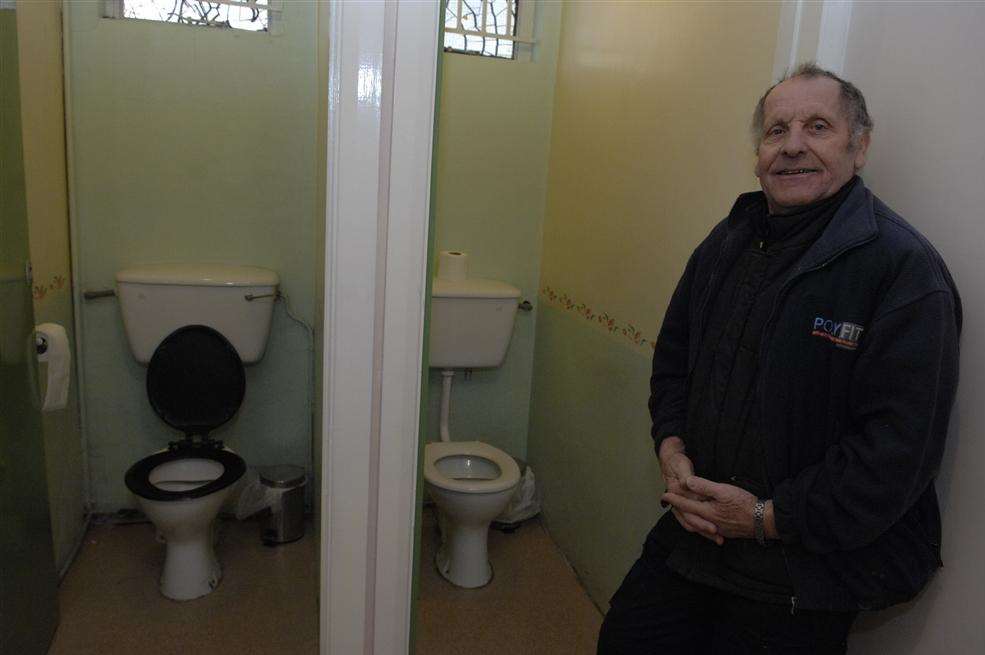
(482, 27)
(249, 15)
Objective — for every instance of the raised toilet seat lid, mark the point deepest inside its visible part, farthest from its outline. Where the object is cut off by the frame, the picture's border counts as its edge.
(195, 380)
(138, 476)
(509, 471)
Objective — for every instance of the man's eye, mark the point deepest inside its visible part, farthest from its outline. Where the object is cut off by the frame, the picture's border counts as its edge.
(774, 131)
(817, 127)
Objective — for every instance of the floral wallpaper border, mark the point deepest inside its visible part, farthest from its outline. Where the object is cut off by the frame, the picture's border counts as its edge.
(608, 323)
(39, 291)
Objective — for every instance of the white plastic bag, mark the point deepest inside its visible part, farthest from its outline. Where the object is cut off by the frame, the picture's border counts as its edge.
(525, 501)
(254, 496)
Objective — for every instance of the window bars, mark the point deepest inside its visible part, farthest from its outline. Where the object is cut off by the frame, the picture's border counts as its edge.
(482, 27)
(249, 15)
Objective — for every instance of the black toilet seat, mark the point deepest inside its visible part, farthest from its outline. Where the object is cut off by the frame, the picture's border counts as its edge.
(195, 380)
(138, 476)
(195, 383)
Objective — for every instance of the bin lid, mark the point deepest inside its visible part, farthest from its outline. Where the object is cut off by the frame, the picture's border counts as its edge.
(281, 475)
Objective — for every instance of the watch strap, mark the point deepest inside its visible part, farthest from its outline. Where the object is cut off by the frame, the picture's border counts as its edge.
(759, 522)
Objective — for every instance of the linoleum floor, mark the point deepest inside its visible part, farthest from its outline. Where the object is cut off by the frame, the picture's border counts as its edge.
(109, 602)
(534, 604)
(266, 603)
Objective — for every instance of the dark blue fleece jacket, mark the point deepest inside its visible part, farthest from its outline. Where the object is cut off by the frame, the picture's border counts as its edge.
(858, 369)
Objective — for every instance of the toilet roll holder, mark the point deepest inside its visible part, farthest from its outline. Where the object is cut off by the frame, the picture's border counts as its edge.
(40, 343)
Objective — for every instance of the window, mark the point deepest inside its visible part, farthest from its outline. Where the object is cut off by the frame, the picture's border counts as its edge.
(482, 27)
(249, 15)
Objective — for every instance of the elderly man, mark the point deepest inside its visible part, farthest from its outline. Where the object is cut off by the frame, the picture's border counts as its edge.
(801, 388)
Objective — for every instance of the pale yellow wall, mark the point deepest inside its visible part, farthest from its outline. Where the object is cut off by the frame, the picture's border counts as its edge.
(42, 114)
(649, 145)
(649, 149)
(42, 102)
(13, 230)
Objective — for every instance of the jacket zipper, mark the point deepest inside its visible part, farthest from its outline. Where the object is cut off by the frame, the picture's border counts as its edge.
(768, 327)
(762, 350)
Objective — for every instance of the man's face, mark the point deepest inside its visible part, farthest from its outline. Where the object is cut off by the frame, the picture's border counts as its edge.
(805, 153)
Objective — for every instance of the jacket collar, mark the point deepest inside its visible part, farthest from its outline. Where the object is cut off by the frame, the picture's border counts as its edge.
(853, 224)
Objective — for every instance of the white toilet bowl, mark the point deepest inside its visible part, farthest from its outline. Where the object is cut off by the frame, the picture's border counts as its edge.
(471, 483)
(180, 492)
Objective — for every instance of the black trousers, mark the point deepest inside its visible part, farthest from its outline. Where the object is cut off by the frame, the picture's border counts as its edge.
(657, 611)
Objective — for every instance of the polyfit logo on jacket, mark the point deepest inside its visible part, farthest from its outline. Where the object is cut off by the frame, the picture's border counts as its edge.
(841, 333)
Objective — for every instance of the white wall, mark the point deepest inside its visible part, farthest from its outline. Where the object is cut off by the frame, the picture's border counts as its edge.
(921, 69)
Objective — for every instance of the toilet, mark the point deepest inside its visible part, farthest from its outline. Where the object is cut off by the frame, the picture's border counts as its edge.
(194, 327)
(471, 482)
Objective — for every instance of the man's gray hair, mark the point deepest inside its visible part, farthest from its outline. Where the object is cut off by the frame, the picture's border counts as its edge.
(852, 101)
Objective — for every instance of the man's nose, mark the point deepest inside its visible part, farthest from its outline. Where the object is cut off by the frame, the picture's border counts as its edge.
(794, 144)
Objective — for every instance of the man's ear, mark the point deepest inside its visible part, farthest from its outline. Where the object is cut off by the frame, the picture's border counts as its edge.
(861, 149)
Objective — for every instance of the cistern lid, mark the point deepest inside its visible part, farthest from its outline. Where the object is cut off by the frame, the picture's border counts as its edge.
(195, 380)
(200, 275)
(473, 287)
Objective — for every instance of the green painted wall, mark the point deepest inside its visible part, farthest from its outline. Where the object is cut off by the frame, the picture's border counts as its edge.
(193, 144)
(63, 446)
(590, 446)
(649, 148)
(492, 151)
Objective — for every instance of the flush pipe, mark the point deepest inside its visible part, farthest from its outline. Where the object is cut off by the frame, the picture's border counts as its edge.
(447, 374)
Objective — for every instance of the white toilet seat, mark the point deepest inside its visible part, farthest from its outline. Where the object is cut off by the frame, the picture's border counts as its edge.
(509, 472)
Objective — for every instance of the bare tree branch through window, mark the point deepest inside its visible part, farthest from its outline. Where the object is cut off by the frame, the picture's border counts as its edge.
(481, 27)
(250, 15)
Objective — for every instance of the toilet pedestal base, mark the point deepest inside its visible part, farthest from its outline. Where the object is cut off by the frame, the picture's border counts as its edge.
(191, 569)
(463, 558)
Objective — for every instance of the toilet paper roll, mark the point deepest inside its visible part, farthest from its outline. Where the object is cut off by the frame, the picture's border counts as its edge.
(58, 357)
(453, 265)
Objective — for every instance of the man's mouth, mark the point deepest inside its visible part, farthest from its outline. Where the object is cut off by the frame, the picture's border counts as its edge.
(796, 171)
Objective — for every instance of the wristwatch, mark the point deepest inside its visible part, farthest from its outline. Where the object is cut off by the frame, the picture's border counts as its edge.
(758, 521)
